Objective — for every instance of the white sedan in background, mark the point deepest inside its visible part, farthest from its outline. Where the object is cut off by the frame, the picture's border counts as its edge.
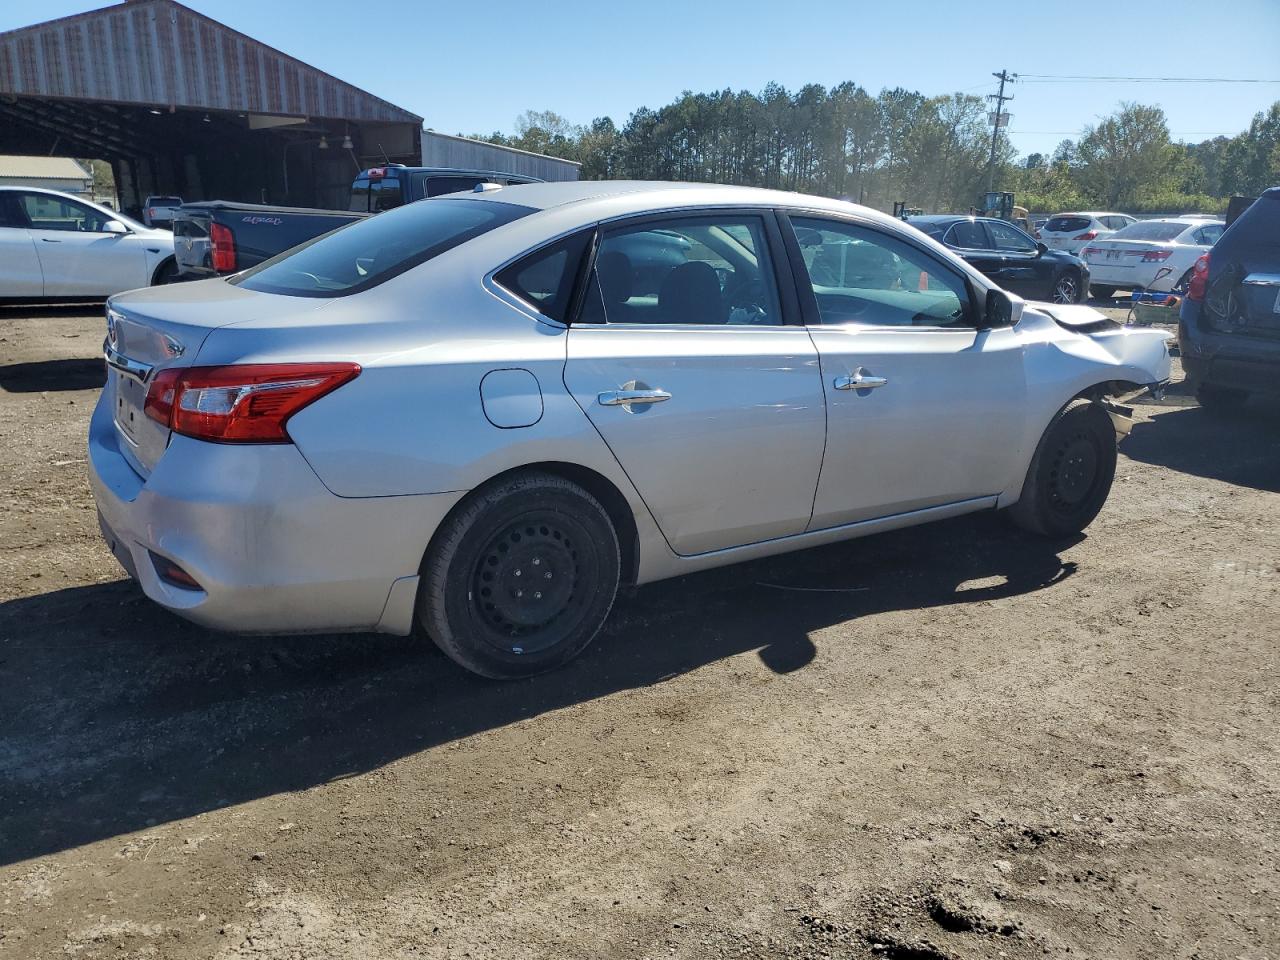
(56, 246)
(1149, 255)
(1071, 231)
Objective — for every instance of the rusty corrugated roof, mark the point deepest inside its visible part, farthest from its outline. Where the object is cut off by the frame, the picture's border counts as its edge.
(160, 53)
(43, 168)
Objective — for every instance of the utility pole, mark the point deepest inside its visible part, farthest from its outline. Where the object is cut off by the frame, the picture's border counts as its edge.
(1004, 76)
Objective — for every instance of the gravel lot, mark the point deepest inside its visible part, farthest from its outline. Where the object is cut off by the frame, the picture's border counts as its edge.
(949, 742)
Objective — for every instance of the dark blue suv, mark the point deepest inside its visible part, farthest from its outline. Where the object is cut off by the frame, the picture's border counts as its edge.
(1229, 325)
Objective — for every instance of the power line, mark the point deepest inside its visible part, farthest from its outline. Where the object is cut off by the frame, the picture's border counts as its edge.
(1071, 78)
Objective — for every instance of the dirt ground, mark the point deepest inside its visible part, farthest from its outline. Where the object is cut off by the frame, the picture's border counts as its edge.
(950, 742)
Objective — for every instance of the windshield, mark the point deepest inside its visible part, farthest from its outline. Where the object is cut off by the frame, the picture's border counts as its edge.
(1150, 230)
(366, 253)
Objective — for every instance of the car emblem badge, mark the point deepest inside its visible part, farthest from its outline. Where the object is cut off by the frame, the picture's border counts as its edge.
(113, 334)
(187, 241)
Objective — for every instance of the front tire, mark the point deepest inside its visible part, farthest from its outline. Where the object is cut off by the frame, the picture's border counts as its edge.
(520, 578)
(1100, 292)
(1067, 288)
(1071, 472)
(167, 272)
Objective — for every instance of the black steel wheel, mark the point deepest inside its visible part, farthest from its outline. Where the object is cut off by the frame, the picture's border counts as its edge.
(1067, 288)
(520, 577)
(1071, 473)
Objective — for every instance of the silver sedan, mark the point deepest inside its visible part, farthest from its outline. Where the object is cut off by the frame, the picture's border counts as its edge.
(482, 413)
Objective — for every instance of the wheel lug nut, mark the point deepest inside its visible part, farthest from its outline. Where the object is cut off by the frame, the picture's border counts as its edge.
(547, 575)
(537, 595)
(518, 573)
(537, 561)
(519, 593)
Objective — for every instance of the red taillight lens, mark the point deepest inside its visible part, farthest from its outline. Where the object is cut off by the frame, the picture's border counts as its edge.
(224, 248)
(246, 403)
(159, 403)
(1156, 256)
(1199, 278)
(1087, 235)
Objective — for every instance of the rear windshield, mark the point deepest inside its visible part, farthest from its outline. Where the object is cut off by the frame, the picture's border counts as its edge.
(1067, 224)
(374, 196)
(166, 201)
(364, 254)
(1149, 230)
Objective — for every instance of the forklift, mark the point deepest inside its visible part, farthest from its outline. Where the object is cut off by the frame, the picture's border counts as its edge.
(1000, 205)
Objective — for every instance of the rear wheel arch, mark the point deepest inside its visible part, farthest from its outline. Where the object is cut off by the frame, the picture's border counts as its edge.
(599, 486)
(166, 271)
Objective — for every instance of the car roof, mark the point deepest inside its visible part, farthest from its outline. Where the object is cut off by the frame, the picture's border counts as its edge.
(544, 196)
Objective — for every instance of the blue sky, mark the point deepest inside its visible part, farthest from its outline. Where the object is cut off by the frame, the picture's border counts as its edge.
(474, 67)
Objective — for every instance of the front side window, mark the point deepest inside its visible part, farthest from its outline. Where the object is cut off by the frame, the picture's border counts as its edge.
(862, 276)
(968, 235)
(1007, 237)
(439, 186)
(687, 270)
(367, 252)
(54, 213)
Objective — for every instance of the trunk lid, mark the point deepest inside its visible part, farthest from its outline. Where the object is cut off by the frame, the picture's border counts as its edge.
(161, 327)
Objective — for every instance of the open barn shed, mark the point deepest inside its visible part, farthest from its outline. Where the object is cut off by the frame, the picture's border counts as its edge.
(183, 105)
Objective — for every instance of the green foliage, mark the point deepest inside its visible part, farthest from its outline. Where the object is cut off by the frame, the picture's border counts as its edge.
(901, 145)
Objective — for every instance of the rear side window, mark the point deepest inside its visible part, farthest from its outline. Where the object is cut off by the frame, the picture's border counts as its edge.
(370, 251)
(1067, 224)
(1209, 235)
(545, 278)
(967, 234)
(1149, 230)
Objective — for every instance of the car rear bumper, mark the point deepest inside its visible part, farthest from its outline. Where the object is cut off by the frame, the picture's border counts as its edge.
(1226, 360)
(272, 549)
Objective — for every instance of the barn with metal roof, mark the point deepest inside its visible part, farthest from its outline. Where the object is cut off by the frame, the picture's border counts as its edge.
(183, 105)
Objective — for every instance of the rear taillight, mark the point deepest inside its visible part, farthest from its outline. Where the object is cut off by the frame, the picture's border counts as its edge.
(224, 248)
(1087, 235)
(1199, 277)
(1156, 256)
(246, 403)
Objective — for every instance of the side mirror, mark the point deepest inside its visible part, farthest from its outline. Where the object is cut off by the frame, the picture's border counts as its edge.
(1041, 249)
(1002, 309)
(114, 226)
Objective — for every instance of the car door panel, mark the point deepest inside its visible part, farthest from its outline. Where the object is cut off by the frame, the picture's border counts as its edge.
(685, 314)
(939, 430)
(20, 274)
(77, 259)
(922, 408)
(733, 456)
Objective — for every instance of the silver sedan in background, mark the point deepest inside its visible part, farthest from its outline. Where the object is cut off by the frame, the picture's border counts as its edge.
(483, 413)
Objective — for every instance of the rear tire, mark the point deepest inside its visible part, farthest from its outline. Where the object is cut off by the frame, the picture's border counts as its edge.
(1071, 472)
(519, 579)
(1220, 399)
(1100, 292)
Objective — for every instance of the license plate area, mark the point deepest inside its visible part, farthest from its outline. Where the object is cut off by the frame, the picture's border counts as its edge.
(129, 399)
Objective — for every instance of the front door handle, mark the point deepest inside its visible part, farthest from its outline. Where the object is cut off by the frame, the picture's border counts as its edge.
(860, 380)
(624, 398)
(49, 240)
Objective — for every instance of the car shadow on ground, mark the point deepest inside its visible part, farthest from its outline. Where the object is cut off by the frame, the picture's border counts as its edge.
(119, 716)
(46, 375)
(1240, 447)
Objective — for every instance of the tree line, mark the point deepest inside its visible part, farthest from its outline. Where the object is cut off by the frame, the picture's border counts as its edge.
(931, 152)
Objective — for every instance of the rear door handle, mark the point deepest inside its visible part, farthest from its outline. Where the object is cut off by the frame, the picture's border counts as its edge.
(49, 240)
(860, 381)
(623, 398)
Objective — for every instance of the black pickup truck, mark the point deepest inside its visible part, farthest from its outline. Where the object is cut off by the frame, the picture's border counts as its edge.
(216, 237)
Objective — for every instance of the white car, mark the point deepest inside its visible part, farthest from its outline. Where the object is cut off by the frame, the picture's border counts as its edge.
(483, 413)
(159, 211)
(1154, 255)
(1071, 231)
(56, 246)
